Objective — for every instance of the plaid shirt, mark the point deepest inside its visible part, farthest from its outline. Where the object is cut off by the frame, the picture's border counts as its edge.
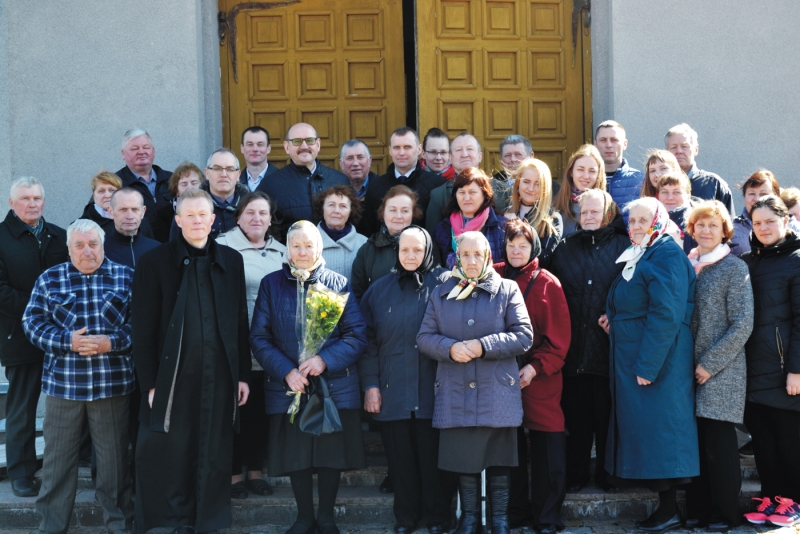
(64, 300)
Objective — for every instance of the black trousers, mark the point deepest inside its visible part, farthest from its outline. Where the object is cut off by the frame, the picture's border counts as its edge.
(776, 442)
(250, 443)
(548, 486)
(713, 497)
(412, 450)
(586, 401)
(24, 387)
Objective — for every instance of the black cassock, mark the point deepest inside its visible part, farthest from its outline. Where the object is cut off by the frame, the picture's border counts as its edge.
(188, 476)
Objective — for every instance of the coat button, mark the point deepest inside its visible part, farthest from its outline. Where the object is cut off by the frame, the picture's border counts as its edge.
(474, 295)
(186, 261)
(511, 383)
(470, 322)
(472, 385)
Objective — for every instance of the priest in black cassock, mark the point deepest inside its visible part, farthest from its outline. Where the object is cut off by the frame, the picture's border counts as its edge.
(192, 357)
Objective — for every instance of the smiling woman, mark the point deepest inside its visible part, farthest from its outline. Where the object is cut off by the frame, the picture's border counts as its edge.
(103, 185)
(585, 170)
(338, 210)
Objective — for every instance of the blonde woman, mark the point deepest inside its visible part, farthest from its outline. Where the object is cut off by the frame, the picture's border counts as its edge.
(585, 170)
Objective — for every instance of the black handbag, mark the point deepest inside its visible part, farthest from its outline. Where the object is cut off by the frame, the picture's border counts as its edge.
(319, 416)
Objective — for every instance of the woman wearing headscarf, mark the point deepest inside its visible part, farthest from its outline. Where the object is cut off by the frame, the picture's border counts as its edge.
(652, 437)
(398, 382)
(274, 343)
(721, 324)
(540, 380)
(585, 264)
(475, 326)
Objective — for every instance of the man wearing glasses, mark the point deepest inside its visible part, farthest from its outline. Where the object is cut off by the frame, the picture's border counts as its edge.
(222, 183)
(293, 187)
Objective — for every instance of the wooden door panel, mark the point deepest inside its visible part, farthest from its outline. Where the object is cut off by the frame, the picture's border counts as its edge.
(335, 65)
(503, 67)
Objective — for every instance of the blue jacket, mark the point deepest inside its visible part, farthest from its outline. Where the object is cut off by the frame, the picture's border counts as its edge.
(709, 186)
(392, 361)
(652, 432)
(127, 249)
(494, 230)
(275, 345)
(625, 185)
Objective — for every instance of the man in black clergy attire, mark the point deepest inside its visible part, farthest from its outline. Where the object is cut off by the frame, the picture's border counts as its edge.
(192, 356)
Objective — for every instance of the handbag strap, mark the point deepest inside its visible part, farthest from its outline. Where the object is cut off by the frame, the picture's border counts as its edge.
(323, 384)
(530, 285)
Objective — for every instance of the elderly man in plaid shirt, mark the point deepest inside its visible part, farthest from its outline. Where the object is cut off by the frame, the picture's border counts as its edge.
(79, 315)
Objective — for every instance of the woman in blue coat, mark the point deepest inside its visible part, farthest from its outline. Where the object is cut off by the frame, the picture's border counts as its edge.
(652, 437)
(275, 345)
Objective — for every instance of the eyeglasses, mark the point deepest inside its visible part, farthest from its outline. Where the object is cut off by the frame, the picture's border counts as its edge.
(229, 170)
(437, 154)
(298, 141)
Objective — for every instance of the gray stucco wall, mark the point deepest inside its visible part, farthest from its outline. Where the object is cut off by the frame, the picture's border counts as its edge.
(729, 69)
(75, 76)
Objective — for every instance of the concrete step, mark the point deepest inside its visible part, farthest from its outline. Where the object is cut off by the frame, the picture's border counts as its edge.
(355, 505)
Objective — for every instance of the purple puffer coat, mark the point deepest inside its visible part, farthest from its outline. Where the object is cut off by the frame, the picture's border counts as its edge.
(485, 391)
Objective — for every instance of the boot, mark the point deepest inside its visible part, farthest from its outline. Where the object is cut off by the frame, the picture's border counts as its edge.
(469, 488)
(498, 491)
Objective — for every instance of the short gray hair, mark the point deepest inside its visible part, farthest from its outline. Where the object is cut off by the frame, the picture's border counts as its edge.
(649, 203)
(223, 150)
(353, 143)
(681, 129)
(478, 237)
(24, 181)
(466, 134)
(516, 139)
(133, 133)
(83, 226)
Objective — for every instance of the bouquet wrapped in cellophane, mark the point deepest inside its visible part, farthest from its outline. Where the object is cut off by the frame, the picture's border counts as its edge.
(317, 316)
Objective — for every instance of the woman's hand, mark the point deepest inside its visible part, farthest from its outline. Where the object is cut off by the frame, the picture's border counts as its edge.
(604, 323)
(474, 347)
(526, 375)
(702, 375)
(244, 393)
(372, 400)
(296, 381)
(643, 381)
(313, 366)
(460, 353)
(793, 383)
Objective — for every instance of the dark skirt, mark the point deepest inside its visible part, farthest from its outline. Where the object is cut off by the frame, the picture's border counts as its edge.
(473, 449)
(291, 450)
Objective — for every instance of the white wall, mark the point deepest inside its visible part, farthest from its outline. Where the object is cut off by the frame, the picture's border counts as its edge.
(75, 76)
(730, 69)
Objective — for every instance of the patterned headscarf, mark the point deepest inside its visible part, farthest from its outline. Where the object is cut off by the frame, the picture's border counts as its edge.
(659, 227)
(465, 285)
(304, 274)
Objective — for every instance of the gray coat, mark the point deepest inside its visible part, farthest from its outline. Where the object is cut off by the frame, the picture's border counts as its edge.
(340, 255)
(485, 391)
(721, 324)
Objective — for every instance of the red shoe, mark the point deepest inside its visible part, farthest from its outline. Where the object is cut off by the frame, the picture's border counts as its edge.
(786, 514)
(764, 510)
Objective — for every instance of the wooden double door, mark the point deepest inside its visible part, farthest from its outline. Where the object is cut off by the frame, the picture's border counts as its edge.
(489, 67)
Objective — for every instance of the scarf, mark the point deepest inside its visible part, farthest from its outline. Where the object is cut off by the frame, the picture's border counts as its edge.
(336, 235)
(512, 272)
(302, 275)
(35, 230)
(466, 284)
(661, 226)
(393, 238)
(574, 194)
(448, 173)
(459, 223)
(428, 263)
(698, 261)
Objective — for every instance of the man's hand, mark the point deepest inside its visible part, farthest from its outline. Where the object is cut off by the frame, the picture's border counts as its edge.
(296, 381)
(90, 345)
(313, 366)
(244, 393)
(372, 400)
(526, 375)
(460, 353)
(150, 396)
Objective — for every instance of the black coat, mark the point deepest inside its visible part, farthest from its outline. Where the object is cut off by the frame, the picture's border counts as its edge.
(292, 190)
(22, 260)
(224, 219)
(127, 250)
(585, 264)
(271, 168)
(775, 276)
(163, 197)
(157, 331)
(420, 181)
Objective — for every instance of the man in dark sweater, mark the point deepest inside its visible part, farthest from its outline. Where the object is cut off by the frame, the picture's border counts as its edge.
(405, 169)
(681, 140)
(124, 244)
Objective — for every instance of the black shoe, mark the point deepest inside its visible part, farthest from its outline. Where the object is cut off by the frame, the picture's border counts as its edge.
(718, 527)
(548, 529)
(403, 527)
(438, 529)
(670, 524)
(693, 523)
(25, 487)
(327, 528)
(259, 486)
(300, 528)
(183, 530)
(746, 450)
(386, 485)
(574, 488)
(498, 491)
(469, 492)
(238, 490)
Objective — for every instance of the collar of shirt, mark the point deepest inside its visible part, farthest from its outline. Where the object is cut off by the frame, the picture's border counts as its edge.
(692, 171)
(253, 183)
(151, 184)
(102, 212)
(398, 174)
(220, 200)
(363, 191)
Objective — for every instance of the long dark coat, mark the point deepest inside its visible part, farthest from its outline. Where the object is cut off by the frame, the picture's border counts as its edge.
(652, 433)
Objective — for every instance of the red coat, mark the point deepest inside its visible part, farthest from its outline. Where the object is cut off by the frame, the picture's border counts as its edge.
(547, 306)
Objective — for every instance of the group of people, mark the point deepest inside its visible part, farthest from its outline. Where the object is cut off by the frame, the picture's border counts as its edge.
(502, 324)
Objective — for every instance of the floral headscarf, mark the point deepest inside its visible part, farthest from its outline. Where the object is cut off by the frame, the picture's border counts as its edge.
(661, 226)
(465, 286)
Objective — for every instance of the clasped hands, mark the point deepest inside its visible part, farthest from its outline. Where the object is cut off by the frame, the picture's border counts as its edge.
(86, 345)
(297, 379)
(465, 351)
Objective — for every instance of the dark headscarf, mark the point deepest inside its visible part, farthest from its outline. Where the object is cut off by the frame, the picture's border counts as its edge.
(427, 265)
(511, 272)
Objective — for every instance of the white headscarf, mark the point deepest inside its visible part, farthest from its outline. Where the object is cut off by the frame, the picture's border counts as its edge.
(661, 226)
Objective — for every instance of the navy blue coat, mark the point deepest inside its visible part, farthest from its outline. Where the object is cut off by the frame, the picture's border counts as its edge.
(494, 230)
(392, 361)
(127, 249)
(275, 345)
